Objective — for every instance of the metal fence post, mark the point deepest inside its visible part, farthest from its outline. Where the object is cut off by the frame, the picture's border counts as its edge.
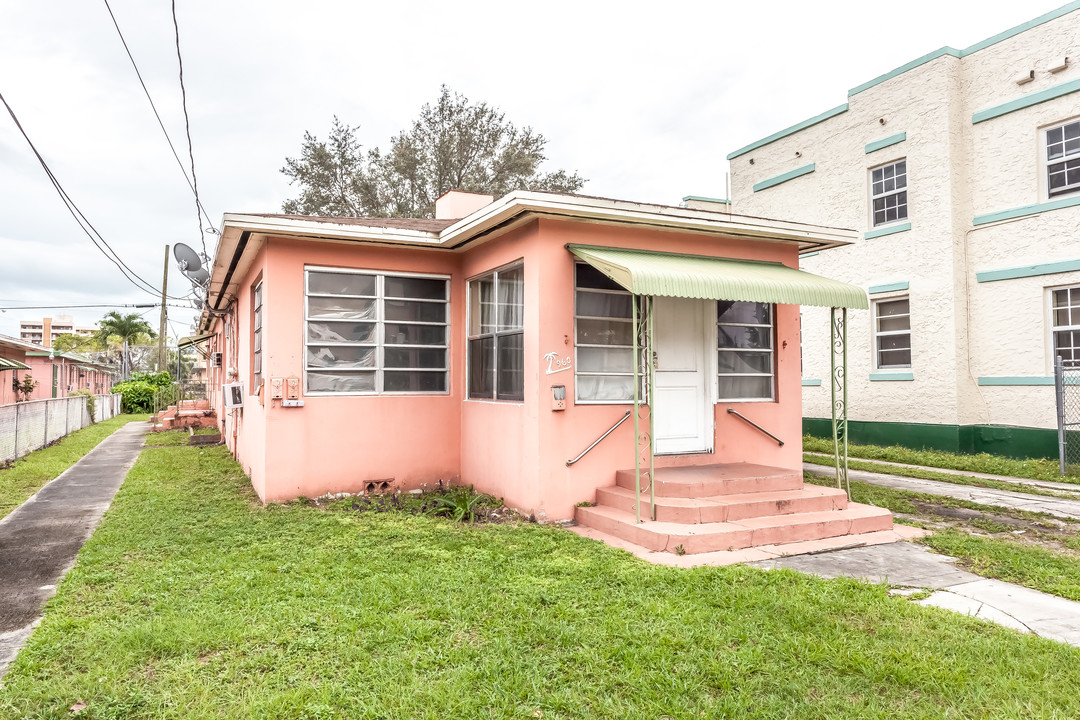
(1059, 400)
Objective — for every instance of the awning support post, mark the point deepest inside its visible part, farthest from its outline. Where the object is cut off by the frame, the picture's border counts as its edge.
(838, 331)
(644, 452)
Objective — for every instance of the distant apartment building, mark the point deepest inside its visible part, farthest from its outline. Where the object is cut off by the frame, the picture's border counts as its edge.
(961, 172)
(44, 331)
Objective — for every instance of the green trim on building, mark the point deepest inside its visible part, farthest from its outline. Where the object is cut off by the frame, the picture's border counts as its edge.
(889, 287)
(1026, 101)
(950, 51)
(1015, 442)
(890, 230)
(784, 177)
(928, 57)
(885, 142)
(891, 376)
(701, 198)
(953, 52)
(789, 131)
(811, 382)
(1026, 210)
(1028, 271)
(1017, 381)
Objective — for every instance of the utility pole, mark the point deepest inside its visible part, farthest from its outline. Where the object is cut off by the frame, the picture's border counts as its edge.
(163, 359)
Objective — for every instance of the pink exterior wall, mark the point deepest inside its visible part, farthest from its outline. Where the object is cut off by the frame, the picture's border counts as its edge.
(514, 450)
(524, 461)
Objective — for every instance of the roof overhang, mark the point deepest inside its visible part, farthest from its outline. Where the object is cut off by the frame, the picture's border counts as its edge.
(9, 364)
(193, 340)
(243, 236)
(663, 274)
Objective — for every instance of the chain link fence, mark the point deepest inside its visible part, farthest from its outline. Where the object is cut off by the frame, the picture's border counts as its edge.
(29, 426)
(1067, 386)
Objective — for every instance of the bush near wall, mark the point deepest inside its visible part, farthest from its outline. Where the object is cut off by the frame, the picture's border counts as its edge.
(137, 396)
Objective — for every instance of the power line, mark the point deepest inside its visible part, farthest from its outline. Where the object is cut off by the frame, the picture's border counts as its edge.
(103, 305)
(80, 218)
(187, 129)
(199, 206)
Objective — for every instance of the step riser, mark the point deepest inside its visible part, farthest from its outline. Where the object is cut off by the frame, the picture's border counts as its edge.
(735, 537)
(707, 487)
(709, 512)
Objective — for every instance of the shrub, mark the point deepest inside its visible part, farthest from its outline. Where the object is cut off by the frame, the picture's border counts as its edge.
(137, 395)
(162, 379)
(91, 403)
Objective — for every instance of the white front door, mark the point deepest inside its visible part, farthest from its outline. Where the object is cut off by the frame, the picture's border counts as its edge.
(683, 401)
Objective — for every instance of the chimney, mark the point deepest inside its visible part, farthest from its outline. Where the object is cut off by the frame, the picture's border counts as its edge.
(455, 204)
(46, 332)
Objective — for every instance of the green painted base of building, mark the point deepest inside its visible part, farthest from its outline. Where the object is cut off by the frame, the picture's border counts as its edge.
(1014, 442)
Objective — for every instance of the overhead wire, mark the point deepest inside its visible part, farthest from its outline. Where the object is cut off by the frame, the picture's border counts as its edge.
(199, 206)
(187, 129)
(80, 218)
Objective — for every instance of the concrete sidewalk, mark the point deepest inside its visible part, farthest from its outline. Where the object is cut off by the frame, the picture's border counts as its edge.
(1058, 507)
(40, 538)
(1042, 484)
(912, 566)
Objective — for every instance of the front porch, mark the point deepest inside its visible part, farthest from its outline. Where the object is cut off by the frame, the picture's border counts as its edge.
(696, 504)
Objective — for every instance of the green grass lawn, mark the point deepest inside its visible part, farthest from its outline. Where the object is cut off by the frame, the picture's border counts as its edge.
(1034, 469)
(175, 437)
(192, 600)
(28, 474)
(880, 467)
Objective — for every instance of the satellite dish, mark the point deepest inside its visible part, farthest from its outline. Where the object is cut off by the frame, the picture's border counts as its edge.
(199, 277)
(188, 258)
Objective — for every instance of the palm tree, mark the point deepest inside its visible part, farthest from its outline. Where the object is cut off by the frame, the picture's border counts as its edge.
(127, 328)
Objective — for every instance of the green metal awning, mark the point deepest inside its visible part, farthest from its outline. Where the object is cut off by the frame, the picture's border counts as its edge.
(644, 272)
(9, 364)
(194, 340)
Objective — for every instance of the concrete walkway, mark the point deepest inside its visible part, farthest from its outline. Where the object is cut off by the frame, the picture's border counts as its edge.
(1058, 507)
(1043, 484)
(40, 538)
(912, 566)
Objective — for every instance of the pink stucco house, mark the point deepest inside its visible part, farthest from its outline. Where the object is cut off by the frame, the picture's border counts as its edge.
(496, 343)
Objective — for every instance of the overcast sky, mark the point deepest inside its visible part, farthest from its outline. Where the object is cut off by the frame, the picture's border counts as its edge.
(645, 100)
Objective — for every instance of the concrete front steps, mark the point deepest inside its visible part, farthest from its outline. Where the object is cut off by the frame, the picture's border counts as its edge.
(185, 414)
(725, 509)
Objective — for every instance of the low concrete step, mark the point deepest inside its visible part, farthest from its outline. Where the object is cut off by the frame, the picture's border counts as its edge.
(726, 508)
(734, 535)
(700, 481)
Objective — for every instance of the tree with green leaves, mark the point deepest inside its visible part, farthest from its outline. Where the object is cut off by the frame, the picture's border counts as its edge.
(68, 342)
(455, 144)
(127, 330)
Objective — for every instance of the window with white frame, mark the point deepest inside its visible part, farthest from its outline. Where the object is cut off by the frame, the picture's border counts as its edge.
(1063, 159)
(888, 193)
(892, 333)
(745, 359)
(604, 338)
(496, 335)
(1065, 317)
(256, 336)
(369, 333)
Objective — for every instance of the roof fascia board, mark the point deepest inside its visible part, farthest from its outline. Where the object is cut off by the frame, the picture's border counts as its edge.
(287, 226)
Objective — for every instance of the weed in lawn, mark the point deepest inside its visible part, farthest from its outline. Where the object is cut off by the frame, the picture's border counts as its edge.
(459, 503)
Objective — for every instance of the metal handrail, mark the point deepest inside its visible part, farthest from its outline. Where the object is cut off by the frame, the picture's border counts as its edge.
(740, 415)
(597, 441)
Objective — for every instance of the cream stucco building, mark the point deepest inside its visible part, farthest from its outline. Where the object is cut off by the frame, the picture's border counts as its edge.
(961, 173)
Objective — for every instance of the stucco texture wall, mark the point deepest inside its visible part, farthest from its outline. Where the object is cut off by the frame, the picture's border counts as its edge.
(960, 329)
